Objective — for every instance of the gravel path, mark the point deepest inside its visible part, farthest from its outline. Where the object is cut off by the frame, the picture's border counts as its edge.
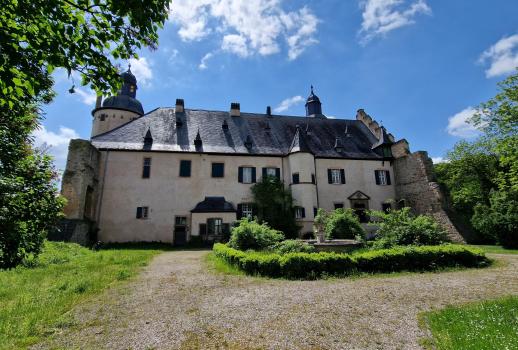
(178, 303)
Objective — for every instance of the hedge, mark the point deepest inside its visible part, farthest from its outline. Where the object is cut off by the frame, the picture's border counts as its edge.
(312, 265)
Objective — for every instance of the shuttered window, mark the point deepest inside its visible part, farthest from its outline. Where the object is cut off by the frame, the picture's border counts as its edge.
(339, 205)
(271, 171)
(185, 168)
(300, 213)
(382, 177)
(218, 169)
(247, 175)
(336, 176)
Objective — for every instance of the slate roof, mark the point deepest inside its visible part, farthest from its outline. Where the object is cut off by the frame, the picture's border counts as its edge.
(270, 135)
(214, 205)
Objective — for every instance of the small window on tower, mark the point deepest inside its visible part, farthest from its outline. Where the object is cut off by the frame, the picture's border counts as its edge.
(146, 169)
(132, 88)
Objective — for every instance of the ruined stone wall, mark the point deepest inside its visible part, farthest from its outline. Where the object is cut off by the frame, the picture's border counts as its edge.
(80, 187)
(417, 186)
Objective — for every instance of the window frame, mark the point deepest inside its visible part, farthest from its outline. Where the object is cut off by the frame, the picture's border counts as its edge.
(247, 210)
(338, 205)
(295, 176)
(300, 213)
(336, 177)
(271, 169)
(146, 167)
(247, 174)
(142, 213)
(382, 177)
(220, 220)
(213, 164)
(189, 169)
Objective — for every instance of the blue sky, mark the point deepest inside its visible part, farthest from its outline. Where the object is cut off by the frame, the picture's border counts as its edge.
(420, 66)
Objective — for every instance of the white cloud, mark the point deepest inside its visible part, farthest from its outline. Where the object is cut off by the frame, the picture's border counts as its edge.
(246, 27)
(383, 16)
(437, 160)
(204, 60)
(55, 144)
(88, 97)
(142, 70)
(502, 56)
(458, 124)
(287, 103)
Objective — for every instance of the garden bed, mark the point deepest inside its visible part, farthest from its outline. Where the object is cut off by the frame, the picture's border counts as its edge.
(315, 265)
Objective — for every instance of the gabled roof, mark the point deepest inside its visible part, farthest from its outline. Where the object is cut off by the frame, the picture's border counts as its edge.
(384, 139)
(299, 142)
(214, 205)
(270, 134)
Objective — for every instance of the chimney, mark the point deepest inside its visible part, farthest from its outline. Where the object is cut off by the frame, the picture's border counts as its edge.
(179, 108)
(98, 101)
(269, 111)
(235, 109)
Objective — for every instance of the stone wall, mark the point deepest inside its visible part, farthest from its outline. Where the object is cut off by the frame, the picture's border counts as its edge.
(80, 188)
(417, 186)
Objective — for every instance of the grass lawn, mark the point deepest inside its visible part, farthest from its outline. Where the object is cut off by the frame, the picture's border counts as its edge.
(34, 301)
(495, 249)
(485, 325)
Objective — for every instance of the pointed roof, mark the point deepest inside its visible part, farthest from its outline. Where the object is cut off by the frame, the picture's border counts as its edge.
(384, 139)
(299, 144)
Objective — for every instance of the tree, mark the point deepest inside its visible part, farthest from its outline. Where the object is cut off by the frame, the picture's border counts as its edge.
(340, 224)
(275, 205)
(38, 36)
(481, 177)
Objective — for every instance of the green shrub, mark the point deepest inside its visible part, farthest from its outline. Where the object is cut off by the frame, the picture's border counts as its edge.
(401, 228)
(340, 224)
(293, 246)
(311, 265)
(249, 234)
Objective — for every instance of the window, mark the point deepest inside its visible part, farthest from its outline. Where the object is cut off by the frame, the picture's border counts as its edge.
(382, 177)
(336, 176)
(142, 212)
(246, 175)
(146, 169)
(272, 171)
(180, 221)
(300, 213)
(312, 178)
(218, 169)
(215, 226)
(315, 211)
(247, 210)
(339, 205)
(386, 207)
(185, 168)
(295, 178)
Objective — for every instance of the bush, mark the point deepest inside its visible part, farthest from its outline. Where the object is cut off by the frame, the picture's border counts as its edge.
(400, 228)
(249, 234)
(293, 246)
(340, 224)
(312, 265)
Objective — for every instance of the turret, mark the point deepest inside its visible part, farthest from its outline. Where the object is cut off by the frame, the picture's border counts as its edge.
(313, 106)
(120, 109)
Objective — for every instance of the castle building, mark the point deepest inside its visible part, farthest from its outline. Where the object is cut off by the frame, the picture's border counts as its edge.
(175, 173)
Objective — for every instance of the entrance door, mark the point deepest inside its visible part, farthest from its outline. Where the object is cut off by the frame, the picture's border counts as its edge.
(360, 207)
(180, 236)
(180, 232)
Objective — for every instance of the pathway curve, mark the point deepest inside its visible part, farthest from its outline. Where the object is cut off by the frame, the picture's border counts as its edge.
(178, 303)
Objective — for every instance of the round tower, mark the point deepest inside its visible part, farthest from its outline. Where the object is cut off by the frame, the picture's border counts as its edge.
(120, 109)
(313, 106)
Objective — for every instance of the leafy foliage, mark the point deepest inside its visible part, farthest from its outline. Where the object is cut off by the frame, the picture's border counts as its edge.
(481, 177)
(28, 208)
(37, 37)
(249, 234)
(315, 265)
(340, 224)
(293, 246)
(400, 228)
(275, 205)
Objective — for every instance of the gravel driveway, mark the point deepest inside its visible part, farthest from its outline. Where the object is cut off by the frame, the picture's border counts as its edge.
(178, 303)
